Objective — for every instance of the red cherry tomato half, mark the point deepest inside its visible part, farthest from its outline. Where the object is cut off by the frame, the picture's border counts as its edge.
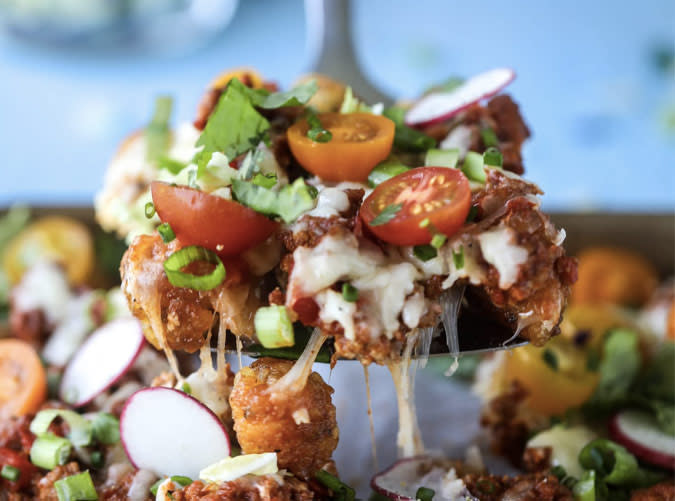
(440, 194)
(197, 218)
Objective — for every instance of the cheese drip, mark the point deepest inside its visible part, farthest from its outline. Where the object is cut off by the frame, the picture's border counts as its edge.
(409, 439)
(295, 379)
(373, 443)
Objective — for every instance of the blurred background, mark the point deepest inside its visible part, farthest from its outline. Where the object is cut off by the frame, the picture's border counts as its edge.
(596, 81)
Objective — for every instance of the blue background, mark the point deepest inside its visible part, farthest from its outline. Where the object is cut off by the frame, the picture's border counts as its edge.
(601, 111)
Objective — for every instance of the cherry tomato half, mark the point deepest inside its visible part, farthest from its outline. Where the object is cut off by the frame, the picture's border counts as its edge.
(198, 218)
(359, 142)
(440, 194)
(23, 381)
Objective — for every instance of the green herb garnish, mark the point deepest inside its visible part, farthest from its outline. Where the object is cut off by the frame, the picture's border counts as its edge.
(166, 232)
(387, 214)
(350, 293)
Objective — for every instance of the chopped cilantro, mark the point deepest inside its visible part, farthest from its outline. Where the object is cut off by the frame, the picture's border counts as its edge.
(424, 252)
(297, 96)
(264, 180)
(386, 215)
(233, 128)
(173, 166)
(288, 203)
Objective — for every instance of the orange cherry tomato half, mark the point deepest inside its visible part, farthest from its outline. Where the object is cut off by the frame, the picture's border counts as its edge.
(198, 218)
(360, 141)
(23, 381)
(440, 194)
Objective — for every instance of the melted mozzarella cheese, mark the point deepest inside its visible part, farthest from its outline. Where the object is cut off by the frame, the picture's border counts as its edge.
(383, 286)
(334, 308)
(565, 444)
(330, 202)
(500, 251)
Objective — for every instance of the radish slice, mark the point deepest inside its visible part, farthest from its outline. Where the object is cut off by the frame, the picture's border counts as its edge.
(101, 361)
(439, 106)
(638, 432)
(402, 479)
(170, 433)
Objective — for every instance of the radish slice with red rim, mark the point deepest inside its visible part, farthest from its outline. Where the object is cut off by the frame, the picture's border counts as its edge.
(105, 356)
(401, 480)
(638, 432)
(438, 106)
(170, 433)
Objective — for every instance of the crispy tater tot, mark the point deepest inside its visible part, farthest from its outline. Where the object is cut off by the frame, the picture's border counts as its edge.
(330, 94)
(609, 275)
(301, 428)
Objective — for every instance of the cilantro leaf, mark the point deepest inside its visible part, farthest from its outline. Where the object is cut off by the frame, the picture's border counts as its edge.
(288, 203)
(233, 128)
(407, 138)
(386, 215)
(297, 96)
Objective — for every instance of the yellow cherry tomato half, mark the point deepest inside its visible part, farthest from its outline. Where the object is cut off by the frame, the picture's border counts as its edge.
(556, 377)
(23, 381)
(53, 238)
(359, 142)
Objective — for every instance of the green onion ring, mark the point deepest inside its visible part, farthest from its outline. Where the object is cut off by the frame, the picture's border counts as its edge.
(187, 255)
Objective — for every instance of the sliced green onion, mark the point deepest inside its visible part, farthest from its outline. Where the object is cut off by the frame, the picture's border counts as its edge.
(264, 180)
(11, 473)
(550, 358)
(155, 487)
(489, 137)
(273, 327)
(76, 488)
(425, 494)
(188, 255)
(149, 210)
(493, 157)
(341, 490)
(49, 451)
(387, 214)
(438, 240)
(166, 232)
(80, 429)
(350, 293)
(176, 479)
(97, 459)
(407, 138)
(386, 170)
(584, 489)
(473, 167)
(186, 388)
(316, 131)
(424, 252)
(106, 428)
(181, 480)
(458, 258)
(442, 158)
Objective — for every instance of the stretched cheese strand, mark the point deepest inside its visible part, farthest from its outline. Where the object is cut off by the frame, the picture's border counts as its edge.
(373, 443)
(295, 379)
(409, 438)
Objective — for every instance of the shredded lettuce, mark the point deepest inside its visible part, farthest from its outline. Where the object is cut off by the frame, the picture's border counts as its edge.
(297, 96)
(351, 104)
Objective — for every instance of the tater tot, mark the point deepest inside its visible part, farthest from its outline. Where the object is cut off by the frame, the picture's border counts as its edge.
(608, 275)
(301, 428)
(330, 94)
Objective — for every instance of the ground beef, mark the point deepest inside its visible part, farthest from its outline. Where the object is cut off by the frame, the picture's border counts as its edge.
(508, 432)
(664, 491)
(537, 459)
(249, 488)
(30, 326)
(45, 487)
(533, 487)
(502, 115)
